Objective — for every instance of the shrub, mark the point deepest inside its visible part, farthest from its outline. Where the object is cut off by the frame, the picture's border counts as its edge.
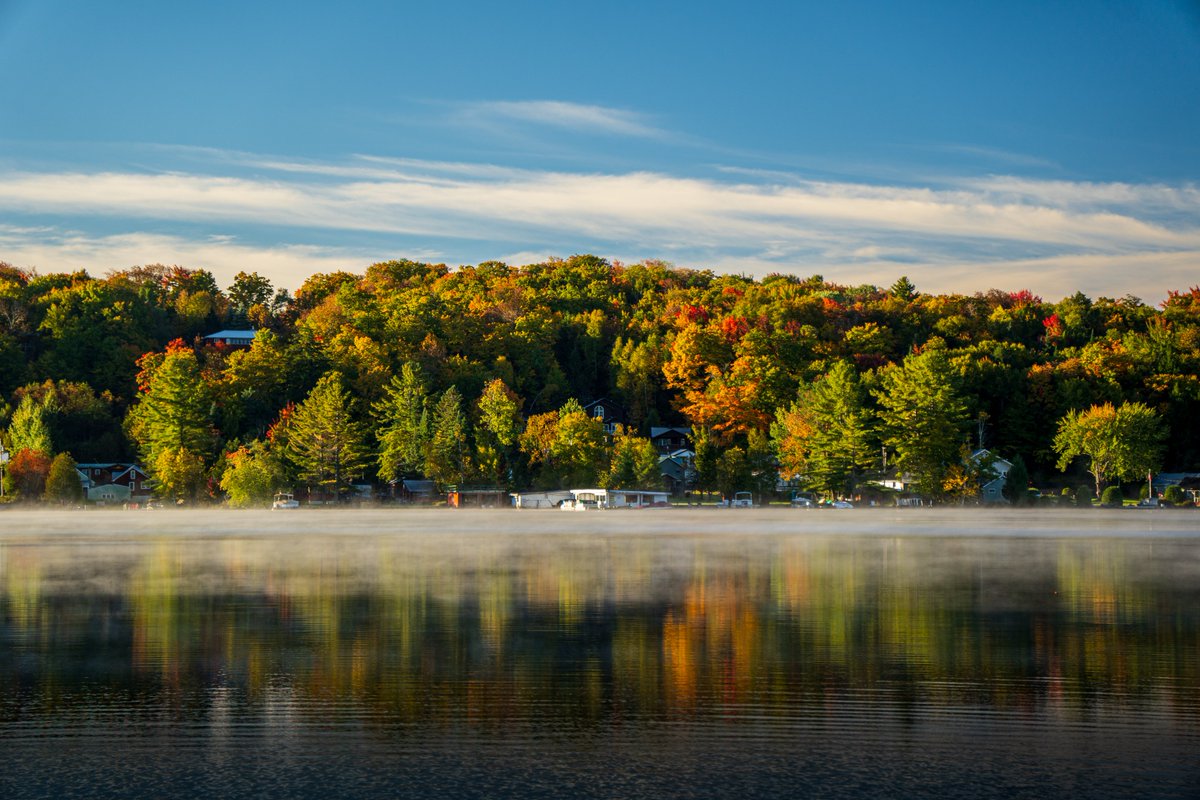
(1083, 497)
(62, 481)
(1175, 496)
(1112, 497)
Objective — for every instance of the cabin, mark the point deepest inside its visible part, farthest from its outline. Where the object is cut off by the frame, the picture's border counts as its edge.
(113, 482)
(410, 490)
(231, 338)
(600, 499)
(476, 497)
(607, 413)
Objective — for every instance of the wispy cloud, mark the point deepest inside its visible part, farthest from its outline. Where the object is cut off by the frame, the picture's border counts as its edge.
(578, 117)
(49, 249)
(758, 222)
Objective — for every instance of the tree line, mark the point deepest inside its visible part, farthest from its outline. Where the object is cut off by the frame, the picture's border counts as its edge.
(481, 373)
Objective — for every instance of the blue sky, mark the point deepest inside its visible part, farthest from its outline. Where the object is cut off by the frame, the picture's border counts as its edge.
(1051, 146)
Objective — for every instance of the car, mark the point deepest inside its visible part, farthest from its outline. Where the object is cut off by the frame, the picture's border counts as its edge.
(841, 504)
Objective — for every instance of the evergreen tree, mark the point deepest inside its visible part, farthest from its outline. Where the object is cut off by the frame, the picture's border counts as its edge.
(903, 289)
(403, 434)
(325, 442)
(923, 418)
(62, 481)
(1016, 483)
(826, 435)
(173, 410)
(28, 430)
(446, 461)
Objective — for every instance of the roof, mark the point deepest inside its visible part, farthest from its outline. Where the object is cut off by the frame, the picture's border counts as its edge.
(655, 432)
(232, 334)
(979, 454)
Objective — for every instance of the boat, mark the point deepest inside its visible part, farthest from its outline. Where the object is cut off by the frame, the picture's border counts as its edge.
(284, 501)
(600, 499)
(742, 500)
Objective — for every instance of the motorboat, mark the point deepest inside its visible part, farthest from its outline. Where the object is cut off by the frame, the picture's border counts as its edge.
(284, 501)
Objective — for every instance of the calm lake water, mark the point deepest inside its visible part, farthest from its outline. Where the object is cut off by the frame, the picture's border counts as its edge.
(621, 654)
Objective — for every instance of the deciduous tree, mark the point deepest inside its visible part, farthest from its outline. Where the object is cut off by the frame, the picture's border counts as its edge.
(28, 430)
(1123, 441)
(62, 481)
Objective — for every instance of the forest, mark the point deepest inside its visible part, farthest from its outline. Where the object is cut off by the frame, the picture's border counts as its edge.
(481, 375)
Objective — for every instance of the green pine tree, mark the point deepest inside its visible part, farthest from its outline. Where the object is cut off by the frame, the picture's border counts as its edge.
(326, 443)
(446, 459)
(923, 418)
(403, 433)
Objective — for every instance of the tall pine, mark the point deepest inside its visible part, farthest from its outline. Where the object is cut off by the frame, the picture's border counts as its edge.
(325, 442)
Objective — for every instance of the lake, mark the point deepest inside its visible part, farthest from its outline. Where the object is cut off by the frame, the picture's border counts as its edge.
(699, 653)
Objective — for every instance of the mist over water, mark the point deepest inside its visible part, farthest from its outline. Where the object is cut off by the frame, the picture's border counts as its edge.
(614, 654)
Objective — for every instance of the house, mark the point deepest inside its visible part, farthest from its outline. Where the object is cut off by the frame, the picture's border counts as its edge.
(608, 413)
(991, 489)
(114, 482)
(231, 338)
(669, 439)
(678, 470)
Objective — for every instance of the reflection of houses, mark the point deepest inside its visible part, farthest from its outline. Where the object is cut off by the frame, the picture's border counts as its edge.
(608, 413)
(991, 487)
(113, 482)
(476, 497)
(671, 440)
(231, 338)
(539, 499)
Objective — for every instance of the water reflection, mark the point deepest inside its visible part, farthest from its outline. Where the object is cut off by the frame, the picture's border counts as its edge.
(744, 640)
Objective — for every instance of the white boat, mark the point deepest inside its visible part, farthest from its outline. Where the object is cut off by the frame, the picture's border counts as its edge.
(284, 501)
(742, 500)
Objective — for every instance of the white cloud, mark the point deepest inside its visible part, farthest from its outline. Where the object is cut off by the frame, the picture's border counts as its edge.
(577, 117)
(969, 229)
(287, 265)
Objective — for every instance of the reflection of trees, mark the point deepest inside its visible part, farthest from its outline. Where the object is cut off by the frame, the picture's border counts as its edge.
(486, 630)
